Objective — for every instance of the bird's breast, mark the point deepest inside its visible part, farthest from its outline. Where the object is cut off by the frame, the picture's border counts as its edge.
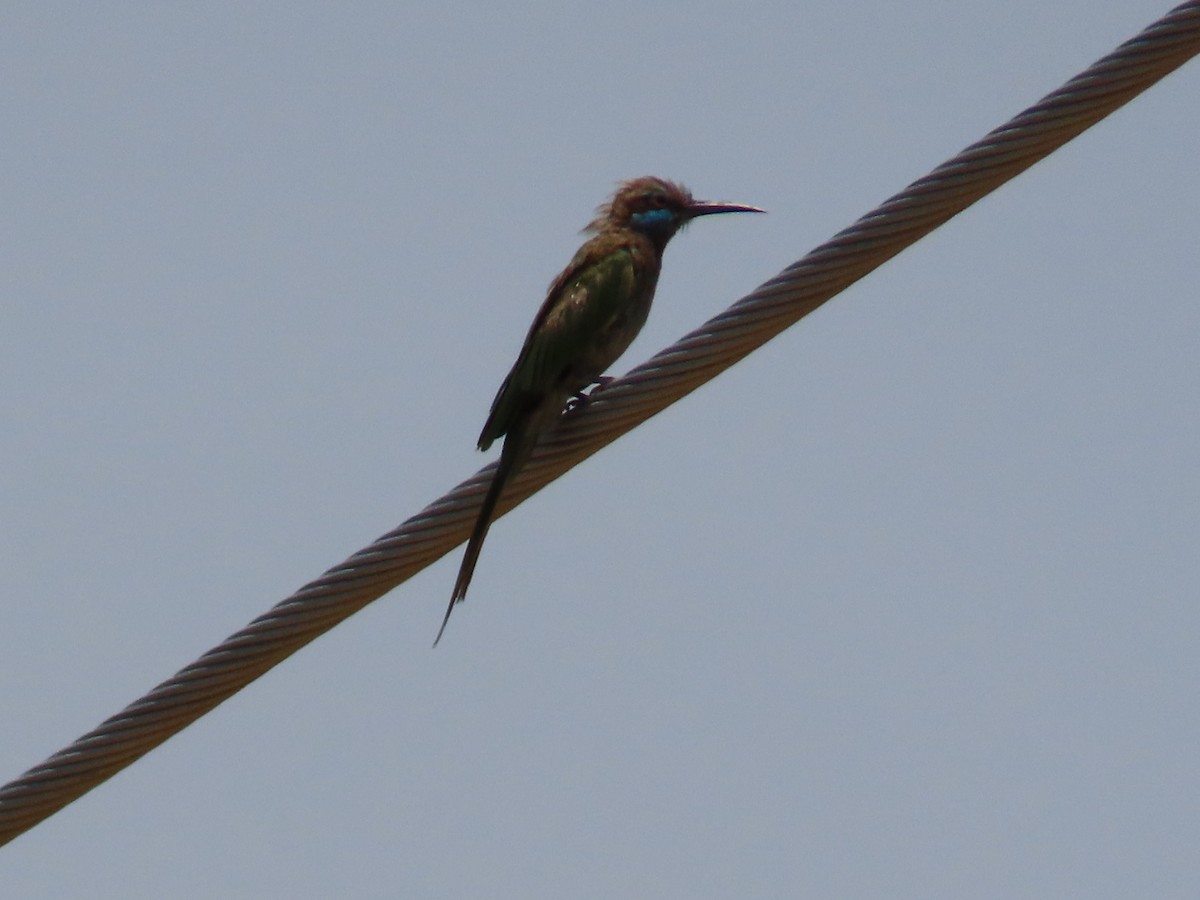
(619, 332)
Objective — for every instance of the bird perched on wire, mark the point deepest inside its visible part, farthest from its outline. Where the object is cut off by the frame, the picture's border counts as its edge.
(592, 312)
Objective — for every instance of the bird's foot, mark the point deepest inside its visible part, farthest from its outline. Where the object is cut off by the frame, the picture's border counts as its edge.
(579, 399)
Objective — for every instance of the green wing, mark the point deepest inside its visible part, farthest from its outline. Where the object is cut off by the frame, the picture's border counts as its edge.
(579, 310)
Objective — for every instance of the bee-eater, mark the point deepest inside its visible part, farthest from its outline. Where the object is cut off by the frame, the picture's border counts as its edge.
(592, 312)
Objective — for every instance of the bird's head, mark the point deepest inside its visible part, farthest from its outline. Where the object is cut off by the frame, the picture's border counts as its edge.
(657, 208)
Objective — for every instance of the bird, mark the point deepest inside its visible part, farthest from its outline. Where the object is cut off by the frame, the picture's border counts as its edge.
(592, 312)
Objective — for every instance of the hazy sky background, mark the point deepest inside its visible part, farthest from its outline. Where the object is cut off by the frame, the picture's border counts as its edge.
(905, 605)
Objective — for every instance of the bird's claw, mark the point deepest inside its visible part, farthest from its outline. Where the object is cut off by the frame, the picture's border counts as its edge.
(579, 399)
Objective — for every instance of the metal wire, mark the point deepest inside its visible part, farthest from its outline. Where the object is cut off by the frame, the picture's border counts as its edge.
(644, 391)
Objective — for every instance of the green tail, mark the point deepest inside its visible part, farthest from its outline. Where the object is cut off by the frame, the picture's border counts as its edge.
(517, 444)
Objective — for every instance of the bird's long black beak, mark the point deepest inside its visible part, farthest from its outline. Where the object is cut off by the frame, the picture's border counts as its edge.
(704, 208)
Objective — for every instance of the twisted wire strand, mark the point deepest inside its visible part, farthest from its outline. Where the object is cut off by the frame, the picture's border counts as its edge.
(644, 391)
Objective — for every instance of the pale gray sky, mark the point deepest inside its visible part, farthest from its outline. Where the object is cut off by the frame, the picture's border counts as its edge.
(905, 605)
